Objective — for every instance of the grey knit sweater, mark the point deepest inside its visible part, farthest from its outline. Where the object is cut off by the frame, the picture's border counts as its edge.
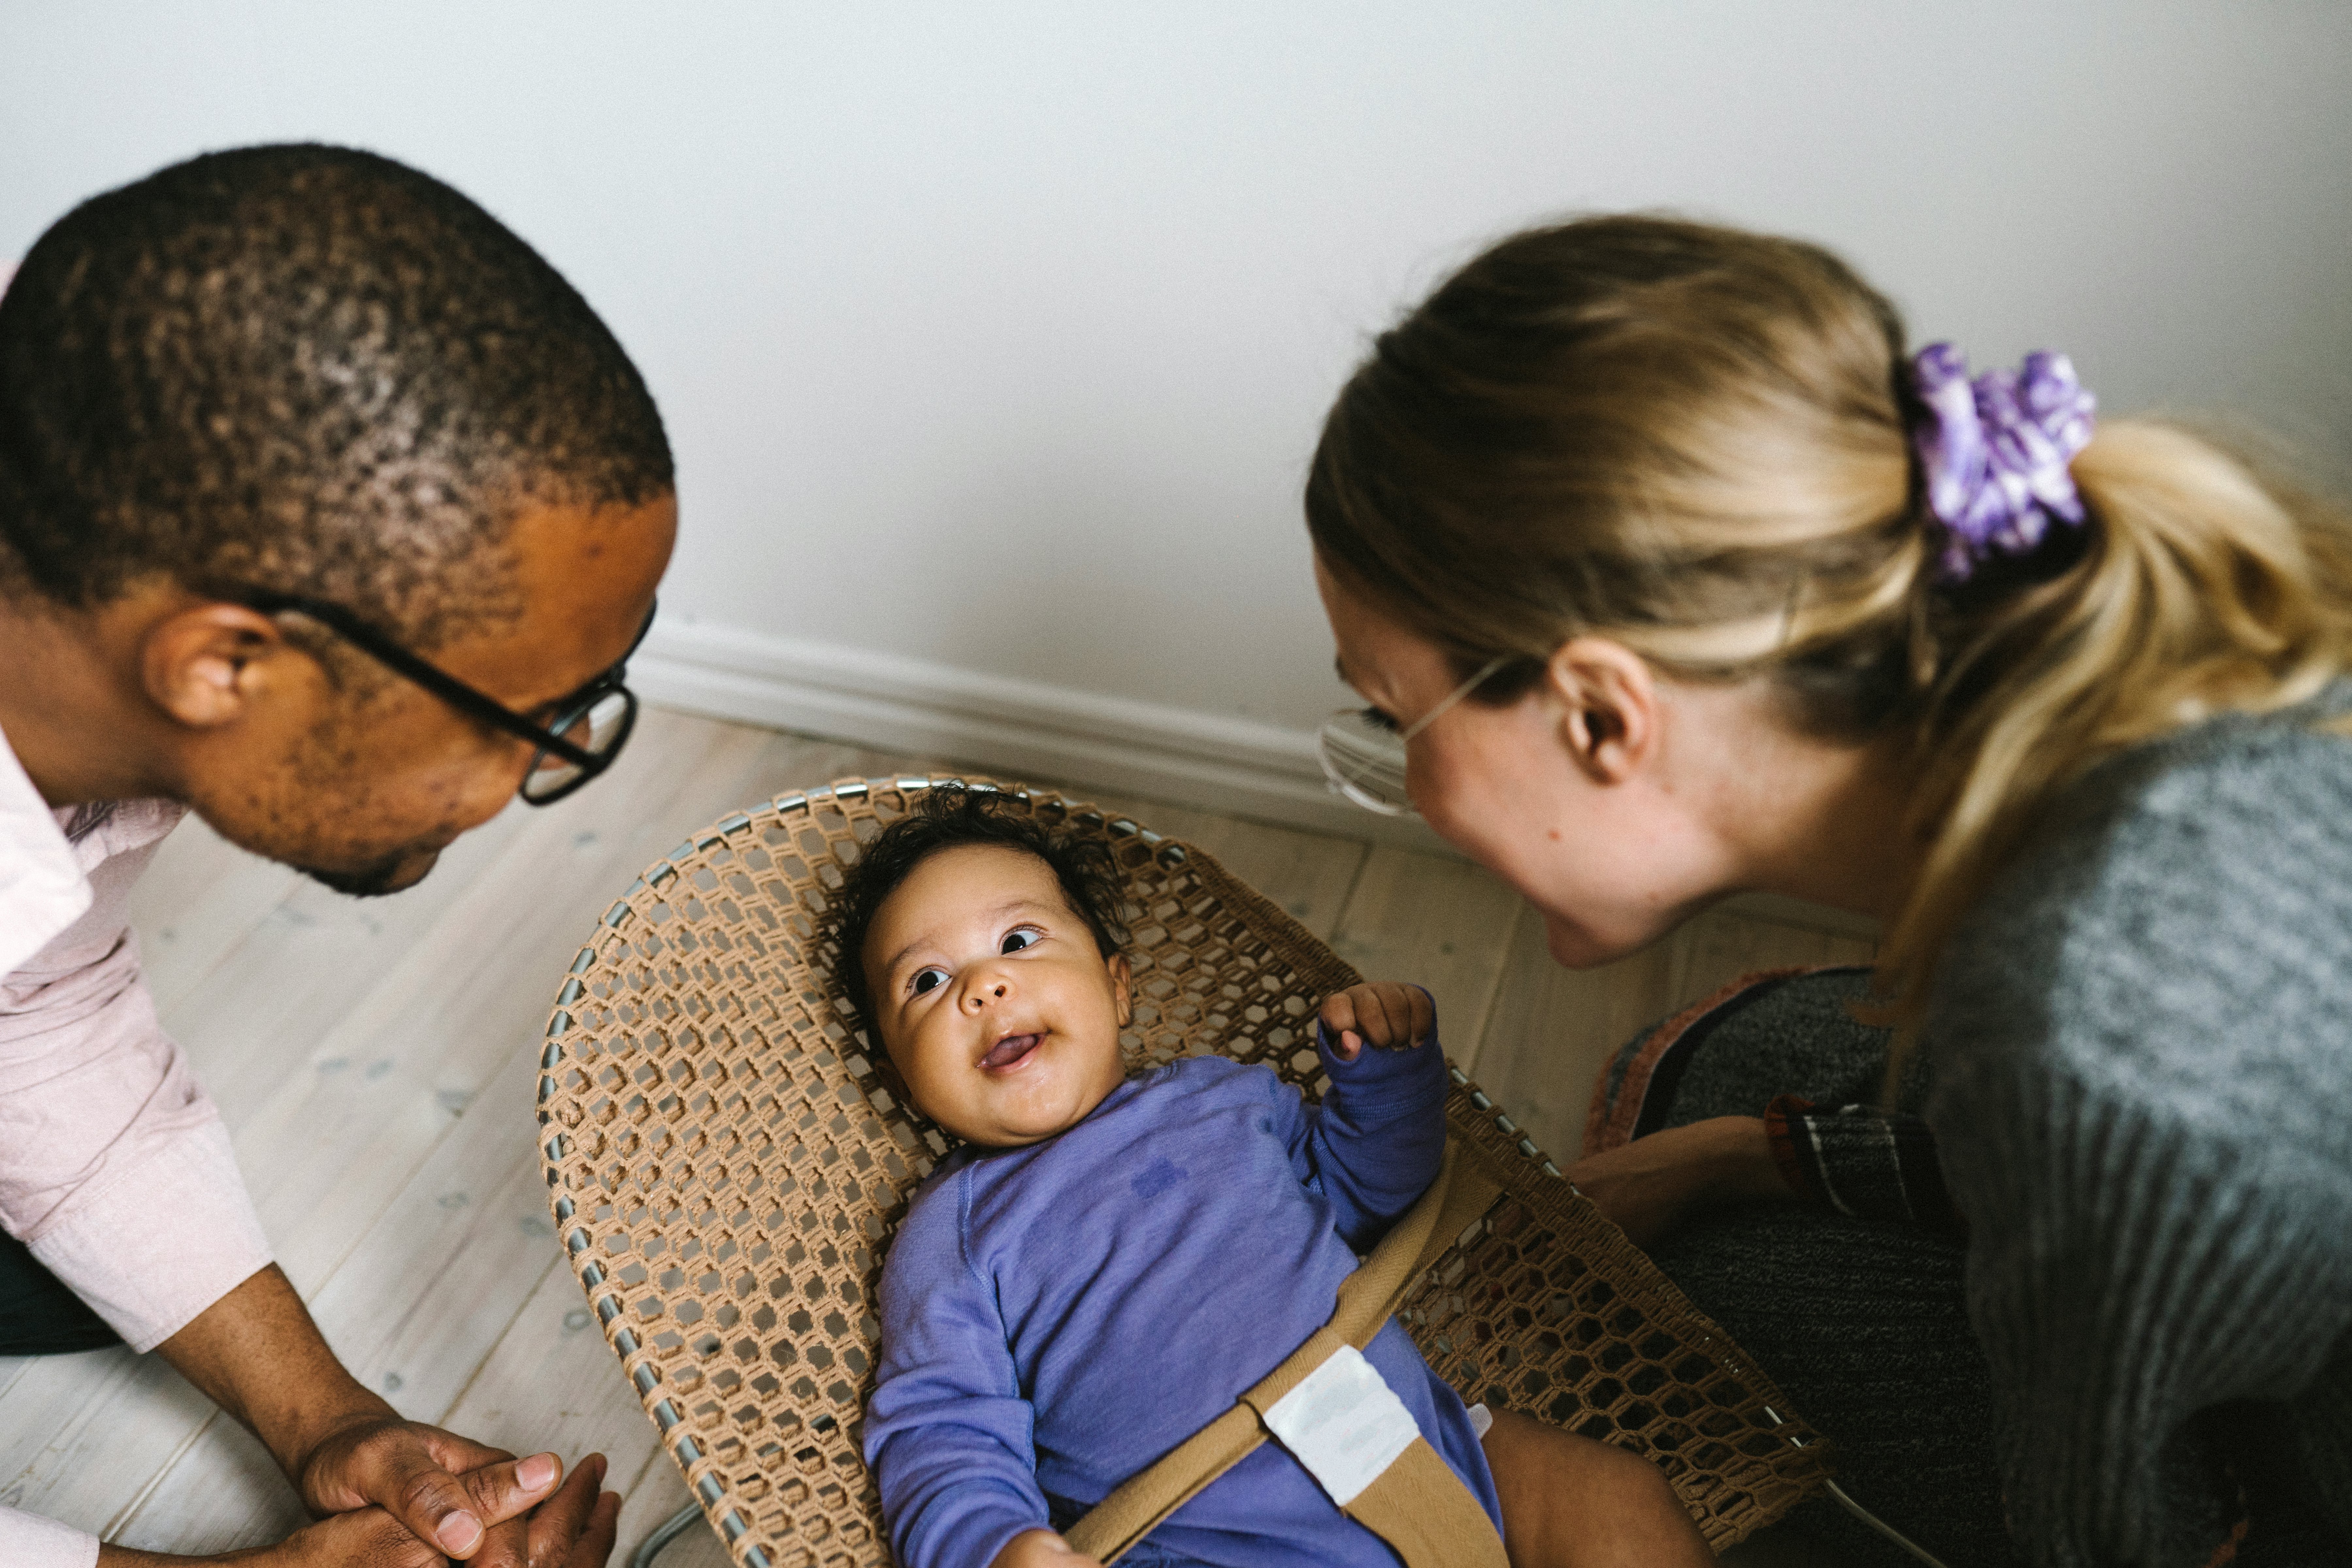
(2142, 1048)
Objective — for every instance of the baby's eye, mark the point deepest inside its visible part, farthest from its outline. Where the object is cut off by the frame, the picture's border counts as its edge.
(929, 979)
(1379, 720)
(1021, 937)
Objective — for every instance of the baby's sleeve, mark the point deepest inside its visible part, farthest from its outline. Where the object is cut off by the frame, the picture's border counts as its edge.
(1375, 1143)
(950, 1439)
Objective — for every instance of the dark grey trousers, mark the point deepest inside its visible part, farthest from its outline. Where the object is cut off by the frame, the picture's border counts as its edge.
(1865, 1325)
(38, 1316)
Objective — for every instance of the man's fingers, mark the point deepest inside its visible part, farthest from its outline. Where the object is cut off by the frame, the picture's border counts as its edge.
(502, 1491)
(558, 1524)
(595, 1543)
(370, 1535)
(428, 1500)
(506, 1545)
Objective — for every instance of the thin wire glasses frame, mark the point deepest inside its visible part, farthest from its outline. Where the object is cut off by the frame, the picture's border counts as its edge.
(602, 713)
(1364, 754)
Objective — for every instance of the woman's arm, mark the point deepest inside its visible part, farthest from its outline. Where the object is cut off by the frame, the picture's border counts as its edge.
(1656, 1183)
(1863, 1162)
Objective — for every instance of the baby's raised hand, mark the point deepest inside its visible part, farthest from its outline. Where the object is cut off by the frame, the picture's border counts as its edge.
(1380, 1013)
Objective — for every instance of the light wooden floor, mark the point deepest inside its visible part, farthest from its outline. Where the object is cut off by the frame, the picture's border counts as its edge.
(375, 1060)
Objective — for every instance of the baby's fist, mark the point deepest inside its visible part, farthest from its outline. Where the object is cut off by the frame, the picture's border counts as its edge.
(1380, 1012)
(1041, 1549)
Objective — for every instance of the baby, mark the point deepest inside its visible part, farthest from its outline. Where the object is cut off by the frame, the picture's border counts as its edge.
(1110, 1260)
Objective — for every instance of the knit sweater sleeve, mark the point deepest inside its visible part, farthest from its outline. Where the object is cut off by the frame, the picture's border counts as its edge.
(2138, 1039)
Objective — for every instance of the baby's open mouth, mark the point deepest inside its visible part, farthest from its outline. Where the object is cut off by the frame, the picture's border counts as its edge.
(1008, 1051)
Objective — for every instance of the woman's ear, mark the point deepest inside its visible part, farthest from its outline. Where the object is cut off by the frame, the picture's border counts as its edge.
(1122, 979)
(1607, 700)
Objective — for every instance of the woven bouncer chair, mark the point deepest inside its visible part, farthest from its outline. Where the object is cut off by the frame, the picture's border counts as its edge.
(725, 1171)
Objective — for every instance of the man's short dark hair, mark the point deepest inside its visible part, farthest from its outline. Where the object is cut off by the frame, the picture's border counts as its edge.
(309, 369)
(946, 818)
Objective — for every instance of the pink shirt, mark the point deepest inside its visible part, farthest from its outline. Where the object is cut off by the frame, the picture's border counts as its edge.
(114, 1167)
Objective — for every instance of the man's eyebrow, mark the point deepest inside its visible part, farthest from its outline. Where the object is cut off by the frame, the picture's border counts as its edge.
(1010, 906)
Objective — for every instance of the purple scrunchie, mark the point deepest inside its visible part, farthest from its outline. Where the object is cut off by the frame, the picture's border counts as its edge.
(1995, 450)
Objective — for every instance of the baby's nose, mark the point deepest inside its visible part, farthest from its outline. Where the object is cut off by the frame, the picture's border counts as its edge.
(981, 996)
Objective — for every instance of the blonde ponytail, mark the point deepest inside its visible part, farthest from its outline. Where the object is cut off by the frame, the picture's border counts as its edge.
(2200, 590)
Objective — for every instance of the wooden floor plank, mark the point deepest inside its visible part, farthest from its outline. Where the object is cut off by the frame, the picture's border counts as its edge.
(420, 1035)
(552, 1382)
(658, 1492)
(1552, 1027)
(82, 1437)
(413, 1311)
(198, 898)
(1433, 921)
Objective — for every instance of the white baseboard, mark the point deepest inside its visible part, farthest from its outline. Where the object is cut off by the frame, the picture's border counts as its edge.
(1011, 728)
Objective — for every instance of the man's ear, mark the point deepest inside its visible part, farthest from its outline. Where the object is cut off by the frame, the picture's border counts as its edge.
(208, 665)
(1607, 700)
(1122, 981)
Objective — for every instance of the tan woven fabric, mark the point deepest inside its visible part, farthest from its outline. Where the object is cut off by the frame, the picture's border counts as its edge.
(725, 1169)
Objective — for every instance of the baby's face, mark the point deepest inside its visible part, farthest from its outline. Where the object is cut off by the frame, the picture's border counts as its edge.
(991, 998)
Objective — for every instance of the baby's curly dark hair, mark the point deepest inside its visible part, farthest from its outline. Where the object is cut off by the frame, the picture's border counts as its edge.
(946, 818)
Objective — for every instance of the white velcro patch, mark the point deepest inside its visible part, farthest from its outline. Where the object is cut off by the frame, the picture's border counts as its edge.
(1343, 1423)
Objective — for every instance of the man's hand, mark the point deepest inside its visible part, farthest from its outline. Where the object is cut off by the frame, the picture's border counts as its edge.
(1653, 1184)
(572, 1529)
(1041, 1549)
(466, 1499)
(1381, 1012)
(259, 1356)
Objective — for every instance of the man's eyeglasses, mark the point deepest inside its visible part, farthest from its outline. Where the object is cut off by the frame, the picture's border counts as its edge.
(586, 732)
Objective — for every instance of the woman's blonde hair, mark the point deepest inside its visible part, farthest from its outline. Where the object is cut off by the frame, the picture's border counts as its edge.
(1696, 441)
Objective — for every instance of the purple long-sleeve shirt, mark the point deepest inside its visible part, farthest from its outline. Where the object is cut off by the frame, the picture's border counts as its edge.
(1057, 1317)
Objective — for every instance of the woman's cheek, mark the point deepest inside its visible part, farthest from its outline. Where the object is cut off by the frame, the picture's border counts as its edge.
(1470, 802)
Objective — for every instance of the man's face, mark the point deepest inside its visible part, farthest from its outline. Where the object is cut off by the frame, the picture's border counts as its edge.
(363, 789)
(991, 998)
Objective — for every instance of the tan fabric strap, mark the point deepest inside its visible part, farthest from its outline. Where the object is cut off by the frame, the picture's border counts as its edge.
(1420, 1507)
(1408, 1498)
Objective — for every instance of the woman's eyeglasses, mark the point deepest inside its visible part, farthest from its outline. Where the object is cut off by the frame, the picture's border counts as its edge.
(1363, 752)
(588, 728)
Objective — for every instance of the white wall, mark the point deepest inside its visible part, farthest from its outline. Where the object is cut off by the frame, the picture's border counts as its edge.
(993, 338)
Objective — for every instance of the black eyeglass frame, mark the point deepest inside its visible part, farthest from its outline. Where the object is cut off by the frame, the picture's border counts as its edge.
(479, 704)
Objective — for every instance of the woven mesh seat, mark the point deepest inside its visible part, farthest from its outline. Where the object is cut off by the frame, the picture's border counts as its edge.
(725, 1171)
